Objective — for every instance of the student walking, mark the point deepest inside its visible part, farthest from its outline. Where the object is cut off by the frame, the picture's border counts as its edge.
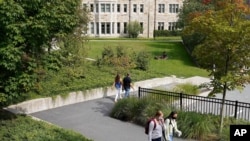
(118, 85)
(127, 85)
(156, 126)
(171, 127)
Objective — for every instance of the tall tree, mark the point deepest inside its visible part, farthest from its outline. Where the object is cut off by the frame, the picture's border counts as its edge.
(26, 30)
(225, 45)
(190, 10)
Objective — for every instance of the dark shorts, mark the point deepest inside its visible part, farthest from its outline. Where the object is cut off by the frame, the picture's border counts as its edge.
(158, 139)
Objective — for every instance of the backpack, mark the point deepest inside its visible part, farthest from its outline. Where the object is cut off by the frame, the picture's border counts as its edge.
(147, 125)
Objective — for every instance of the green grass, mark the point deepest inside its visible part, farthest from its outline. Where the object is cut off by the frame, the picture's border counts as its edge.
(179, 63)
(178, 60)
(23, 128)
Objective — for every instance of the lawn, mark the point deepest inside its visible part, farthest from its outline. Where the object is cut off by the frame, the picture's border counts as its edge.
(23, 128)
(178, 59)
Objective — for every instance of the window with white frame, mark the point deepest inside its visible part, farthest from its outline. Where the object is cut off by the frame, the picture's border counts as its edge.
(105, 7)
(141, 8)
(97, 8)
(173, 8)
(84, 6)
(113, 27)
(92, 28)
(108, 28)
(97, 28)
(125, 8)
(141, 25)
(160, 25)
(91, 7)
(102, 7)
(118, 8)
(161, 8)
(134, 8)
(105, 28)
(118, 27)
(125, 27)
(172, 26)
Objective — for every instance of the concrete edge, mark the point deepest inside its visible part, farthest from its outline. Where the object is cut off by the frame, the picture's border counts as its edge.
(41, 104)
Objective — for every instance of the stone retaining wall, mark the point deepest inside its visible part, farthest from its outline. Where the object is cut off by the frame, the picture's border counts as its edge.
(41, 104)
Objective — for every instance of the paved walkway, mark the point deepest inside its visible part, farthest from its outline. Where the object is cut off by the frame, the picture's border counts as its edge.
(91, 118)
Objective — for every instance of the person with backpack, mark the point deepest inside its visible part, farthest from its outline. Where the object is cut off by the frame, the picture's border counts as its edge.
(171, 126)
(155, 127)
(118, 85)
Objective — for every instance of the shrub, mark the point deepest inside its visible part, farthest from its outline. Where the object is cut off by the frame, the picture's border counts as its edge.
(193, 125)
(134, 28)
(142, 60)
(186, 88)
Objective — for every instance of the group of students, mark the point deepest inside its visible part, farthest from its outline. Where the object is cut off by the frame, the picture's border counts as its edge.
(122, 84)
(161, 129)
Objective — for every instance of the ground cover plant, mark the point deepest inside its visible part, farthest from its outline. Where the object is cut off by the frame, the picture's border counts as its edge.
(193, 125)
(23, 128)
(89, 75)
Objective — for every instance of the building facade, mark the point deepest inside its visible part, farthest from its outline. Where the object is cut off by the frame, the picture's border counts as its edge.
(110, 18)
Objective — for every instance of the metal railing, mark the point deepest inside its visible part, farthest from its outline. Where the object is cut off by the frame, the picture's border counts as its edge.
(201, 104)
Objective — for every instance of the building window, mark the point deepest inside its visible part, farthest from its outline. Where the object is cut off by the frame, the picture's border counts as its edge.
(173, 8)
(91, 7)
(97, 8)
(102, 7)
(161, 8)
(125, 8)
(97, 28)
(141, 25)
(103, 28)
(172, 26)
(108, 28)
(113, 27)
(134, 8)
(107, 8)
(118, 7)
(85, 7)
(160, 25)
(118, 28)
(125, 28)
(92, 28)
(113, 7)
(141, 8)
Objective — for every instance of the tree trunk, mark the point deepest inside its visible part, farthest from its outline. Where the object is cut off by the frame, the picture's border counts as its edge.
(222, 113)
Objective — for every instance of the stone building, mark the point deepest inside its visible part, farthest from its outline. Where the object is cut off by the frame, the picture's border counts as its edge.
(109, 18)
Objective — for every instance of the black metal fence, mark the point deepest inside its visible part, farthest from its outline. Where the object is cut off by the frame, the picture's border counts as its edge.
(208, 105)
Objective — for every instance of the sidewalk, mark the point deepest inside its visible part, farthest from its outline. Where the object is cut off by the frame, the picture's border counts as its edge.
(91, 118)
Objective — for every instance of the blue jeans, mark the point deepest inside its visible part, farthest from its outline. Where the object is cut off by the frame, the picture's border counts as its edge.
(171, 137)
(127, 91)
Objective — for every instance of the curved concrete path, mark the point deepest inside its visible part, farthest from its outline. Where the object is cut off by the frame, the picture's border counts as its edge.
(91, 119)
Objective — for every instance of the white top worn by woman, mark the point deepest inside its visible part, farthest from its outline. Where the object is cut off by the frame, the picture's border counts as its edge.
(154, 133)
(171, 128)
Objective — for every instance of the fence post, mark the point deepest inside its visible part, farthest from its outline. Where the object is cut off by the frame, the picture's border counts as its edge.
(181, 95)
(236, 109)
(139, 92)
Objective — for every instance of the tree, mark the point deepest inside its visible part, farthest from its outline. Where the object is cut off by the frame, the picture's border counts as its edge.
(26, 30)
(190, 10)
(134, 28)
(225, 45)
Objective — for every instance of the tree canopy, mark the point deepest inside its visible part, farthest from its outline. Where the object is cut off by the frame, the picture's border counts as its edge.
(224, 49)
(27, 29)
